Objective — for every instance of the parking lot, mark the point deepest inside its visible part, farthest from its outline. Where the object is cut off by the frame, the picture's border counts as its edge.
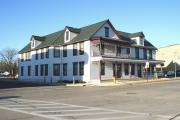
(148, 101)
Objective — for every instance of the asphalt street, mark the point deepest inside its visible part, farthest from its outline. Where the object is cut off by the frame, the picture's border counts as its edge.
(148, 101)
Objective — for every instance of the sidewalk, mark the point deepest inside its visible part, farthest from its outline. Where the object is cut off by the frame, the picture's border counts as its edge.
(126, 82)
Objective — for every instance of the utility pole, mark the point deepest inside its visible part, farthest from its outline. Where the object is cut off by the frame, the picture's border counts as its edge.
(174, 64)
(175, 69)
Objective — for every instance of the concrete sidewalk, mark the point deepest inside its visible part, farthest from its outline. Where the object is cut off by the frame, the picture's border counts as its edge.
(125, 82)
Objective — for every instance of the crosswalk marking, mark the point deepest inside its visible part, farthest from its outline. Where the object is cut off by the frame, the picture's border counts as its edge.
(76, 110)
(62, 111)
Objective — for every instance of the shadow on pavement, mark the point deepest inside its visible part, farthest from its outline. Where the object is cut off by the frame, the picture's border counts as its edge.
(6, 84)
(8, 97)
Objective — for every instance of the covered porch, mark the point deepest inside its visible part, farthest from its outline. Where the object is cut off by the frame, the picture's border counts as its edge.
(115, 68)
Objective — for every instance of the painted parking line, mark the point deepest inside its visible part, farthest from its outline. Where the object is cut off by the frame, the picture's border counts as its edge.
(60, 111)
(82, 114)
(76, 110)
(115, 118)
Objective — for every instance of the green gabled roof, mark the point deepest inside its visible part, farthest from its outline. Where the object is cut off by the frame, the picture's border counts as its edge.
(127, 36)
(72, 29)
(141, 34)
(38, 38)
(26, 48)
(50, 39)
(57, 38)
(84, 33)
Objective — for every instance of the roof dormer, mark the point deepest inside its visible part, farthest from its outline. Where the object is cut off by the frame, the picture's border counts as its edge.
(70, 33)
(138, 38)
(35, 41)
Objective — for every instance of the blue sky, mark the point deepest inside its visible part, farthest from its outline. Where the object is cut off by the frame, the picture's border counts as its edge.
(19, 19)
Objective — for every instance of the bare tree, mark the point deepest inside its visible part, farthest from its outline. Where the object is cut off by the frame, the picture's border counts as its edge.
(9, 59)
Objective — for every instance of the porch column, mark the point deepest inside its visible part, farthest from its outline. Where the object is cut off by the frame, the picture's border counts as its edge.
(122, 70)
(129, 70)
(136, 72)
(100, 71)
(150, 67)
(155, 72)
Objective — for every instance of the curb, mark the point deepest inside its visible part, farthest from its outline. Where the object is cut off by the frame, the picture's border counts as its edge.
(124, 83)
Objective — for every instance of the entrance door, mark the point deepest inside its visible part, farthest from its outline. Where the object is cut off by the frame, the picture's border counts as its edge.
(118, 72)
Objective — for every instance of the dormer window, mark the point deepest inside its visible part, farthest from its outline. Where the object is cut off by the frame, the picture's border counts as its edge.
(106, 31)
(67, 35)
(33, 43)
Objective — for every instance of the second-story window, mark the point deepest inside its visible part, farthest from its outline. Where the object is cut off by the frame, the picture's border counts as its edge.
(22, 57)
(127, 50)
(106, 31)
(56, 52)
(118, 50)
(145, 53)
(74, 49)
(36, 57)
(42, 53)
(137, 52)
(47, 52)
(64, 51)
(81, 48)
(150, 54)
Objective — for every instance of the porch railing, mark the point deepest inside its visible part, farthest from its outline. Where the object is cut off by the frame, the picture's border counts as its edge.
(106, 54)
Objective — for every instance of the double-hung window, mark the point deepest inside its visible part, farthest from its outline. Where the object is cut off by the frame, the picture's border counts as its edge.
(81, 68)
(56, 52)
(81, 48)
(75, 49)
(65, 69)
(56, 69)
(75, 68)
(64, 51)
(106, 31)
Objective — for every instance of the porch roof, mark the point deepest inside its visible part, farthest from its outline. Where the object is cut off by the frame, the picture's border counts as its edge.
(112, 59)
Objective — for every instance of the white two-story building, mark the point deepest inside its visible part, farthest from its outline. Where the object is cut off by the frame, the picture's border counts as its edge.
(92, 53)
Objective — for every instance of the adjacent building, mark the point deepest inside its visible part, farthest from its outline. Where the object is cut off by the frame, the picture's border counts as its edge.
(171, 55)
(92, 53)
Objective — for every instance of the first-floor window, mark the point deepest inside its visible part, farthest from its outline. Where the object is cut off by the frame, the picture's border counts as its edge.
(56, 69)
(29, 70)
(36, 70)
(65, 69)
(22, 71)
(102, 68)
(126, 69)
(42, 70)
(81, 68)
(75, 68)
(132, 69)
(46, 69)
